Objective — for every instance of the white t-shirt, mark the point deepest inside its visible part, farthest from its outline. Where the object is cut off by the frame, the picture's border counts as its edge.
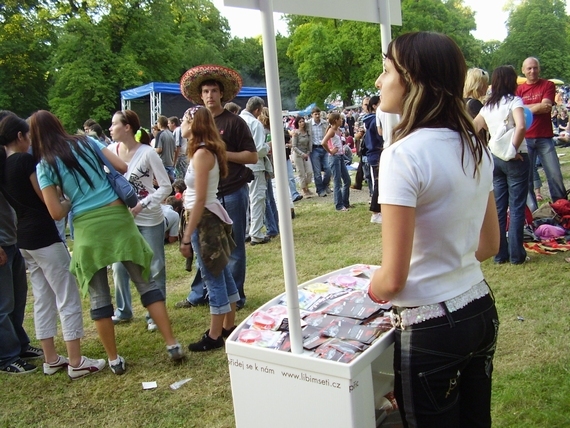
(143, 167)
(424, 170)
(495, 116)
(171, 220)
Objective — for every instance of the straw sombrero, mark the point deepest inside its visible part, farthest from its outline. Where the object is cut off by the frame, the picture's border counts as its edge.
(193, 78)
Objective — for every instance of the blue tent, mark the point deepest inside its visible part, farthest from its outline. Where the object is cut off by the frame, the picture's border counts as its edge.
(174, 88)
(166, 99)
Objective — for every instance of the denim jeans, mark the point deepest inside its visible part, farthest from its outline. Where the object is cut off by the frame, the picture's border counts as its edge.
(171, 171)
(100, 293)
(320, 162)
(292, 184)
(13, 291)
(221, 289)
(443, 368)
(535, 176)
(544, 147)
(511, 187)
(341, 180)
(271, 217)
(237, 205)
(154, 236)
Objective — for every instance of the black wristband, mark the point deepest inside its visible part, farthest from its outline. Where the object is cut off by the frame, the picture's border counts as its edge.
(186, 243)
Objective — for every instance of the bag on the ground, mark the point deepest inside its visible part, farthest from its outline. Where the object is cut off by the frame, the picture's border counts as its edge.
(501, 142)
(122, 187)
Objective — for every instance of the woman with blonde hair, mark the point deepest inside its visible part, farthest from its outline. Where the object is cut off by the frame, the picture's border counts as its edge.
(439, 223)
(475, 89)
(208, 228)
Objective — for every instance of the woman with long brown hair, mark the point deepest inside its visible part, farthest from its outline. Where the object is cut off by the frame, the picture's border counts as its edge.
(105, 231)
(439, 223)
(208, 226)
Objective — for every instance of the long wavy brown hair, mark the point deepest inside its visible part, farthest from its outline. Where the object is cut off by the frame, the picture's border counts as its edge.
(204, 130)
(432, 69)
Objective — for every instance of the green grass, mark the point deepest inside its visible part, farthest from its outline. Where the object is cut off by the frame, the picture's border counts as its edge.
(531, 379)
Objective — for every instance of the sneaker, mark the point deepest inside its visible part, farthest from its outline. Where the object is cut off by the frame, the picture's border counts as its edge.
(151, 326)
(175, 352)
(298, 198)
(19, 367)
(265, 240)
(118, 367)
(119, 320)
(328, 190)
(226, 333)
(322, 194)
(376, 218)
(60, 363)
(88, 366)
(31, 352)
(183, 304)
(206, 344)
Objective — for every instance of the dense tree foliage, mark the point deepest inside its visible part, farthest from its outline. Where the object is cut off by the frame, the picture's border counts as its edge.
(538, 28)
(75, 56)
(340, 58)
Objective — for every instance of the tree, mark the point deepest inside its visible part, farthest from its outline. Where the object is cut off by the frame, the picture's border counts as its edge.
(538, 28)
(337, 58)
(24, 50)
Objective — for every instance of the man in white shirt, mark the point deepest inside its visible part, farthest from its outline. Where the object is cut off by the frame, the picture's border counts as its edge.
(319, 156)
(257, 187)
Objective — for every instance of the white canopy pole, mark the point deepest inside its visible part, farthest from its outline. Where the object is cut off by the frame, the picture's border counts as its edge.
(385, 37)
(279, 160)
(367, 11)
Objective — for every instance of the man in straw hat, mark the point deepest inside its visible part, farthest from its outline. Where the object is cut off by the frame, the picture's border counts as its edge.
(212, 85)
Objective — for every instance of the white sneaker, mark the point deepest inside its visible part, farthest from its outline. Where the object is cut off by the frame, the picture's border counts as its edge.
(60, 363)
(151, 326)
(88, 366)
(376, 218)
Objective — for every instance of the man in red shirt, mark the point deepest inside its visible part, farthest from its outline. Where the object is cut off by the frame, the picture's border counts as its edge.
(538, 95)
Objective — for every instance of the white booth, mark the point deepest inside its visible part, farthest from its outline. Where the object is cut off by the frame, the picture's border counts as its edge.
(274, 388)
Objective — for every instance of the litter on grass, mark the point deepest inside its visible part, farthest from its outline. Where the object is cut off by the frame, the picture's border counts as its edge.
(179, 383)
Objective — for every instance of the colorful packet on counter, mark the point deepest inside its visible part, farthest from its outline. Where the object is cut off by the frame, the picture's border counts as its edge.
(312, 337)
(307, 300)
(263, 339)
(350, 282)
(356, 305)
(381, 322)
(362, 270)
(320, 320)
(349, 331)
(340, 350)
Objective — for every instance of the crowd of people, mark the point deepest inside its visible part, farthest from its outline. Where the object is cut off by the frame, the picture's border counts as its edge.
(440, 191)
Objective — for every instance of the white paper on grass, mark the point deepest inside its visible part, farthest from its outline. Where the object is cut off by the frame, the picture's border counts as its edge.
(149, 385)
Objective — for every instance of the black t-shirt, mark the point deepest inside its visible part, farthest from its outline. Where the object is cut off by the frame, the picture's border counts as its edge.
(237, 136)
(36, 228)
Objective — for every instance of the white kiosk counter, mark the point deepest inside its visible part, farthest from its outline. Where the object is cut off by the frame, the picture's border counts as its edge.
(274, 388)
